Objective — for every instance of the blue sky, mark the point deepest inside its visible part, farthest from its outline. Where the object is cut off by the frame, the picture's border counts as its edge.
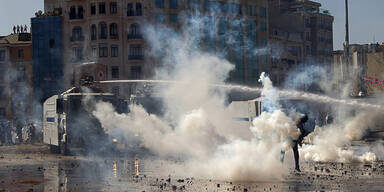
(365, 18)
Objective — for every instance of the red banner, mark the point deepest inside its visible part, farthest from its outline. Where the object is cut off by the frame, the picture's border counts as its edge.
(374, 81)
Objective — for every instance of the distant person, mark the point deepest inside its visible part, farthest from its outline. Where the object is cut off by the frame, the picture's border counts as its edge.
(28, 133)
(14, 29)
(19, 132)
(299, 140)
(32, 129)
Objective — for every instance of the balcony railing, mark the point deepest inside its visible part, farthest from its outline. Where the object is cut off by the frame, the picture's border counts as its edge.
(136, 57)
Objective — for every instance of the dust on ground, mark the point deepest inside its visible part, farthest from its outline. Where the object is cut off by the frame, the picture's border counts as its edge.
(34, 168)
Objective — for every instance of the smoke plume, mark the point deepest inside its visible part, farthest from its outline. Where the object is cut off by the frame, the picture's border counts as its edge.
(197, 126)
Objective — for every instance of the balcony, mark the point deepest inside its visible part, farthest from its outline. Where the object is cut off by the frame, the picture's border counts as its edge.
(136, 57)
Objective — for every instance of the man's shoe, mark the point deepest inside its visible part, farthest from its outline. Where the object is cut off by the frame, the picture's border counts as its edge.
(298, 169)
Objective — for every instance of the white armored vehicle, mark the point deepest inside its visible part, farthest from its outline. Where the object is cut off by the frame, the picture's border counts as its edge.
(70, 127)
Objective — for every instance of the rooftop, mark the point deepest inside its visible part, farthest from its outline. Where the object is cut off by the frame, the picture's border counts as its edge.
(16, 38)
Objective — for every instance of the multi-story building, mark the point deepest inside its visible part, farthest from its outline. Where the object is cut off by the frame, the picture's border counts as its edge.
(364, 74)
(16, 77)
(301, 34)
(47, 56)
(108, 34)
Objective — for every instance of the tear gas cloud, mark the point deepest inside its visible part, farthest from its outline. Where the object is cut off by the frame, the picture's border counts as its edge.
(197, 125)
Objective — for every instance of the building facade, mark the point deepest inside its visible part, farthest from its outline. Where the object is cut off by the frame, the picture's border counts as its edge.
(364, 74)
(108, 34)
(306, 41)
(47, 56)
(16, 77)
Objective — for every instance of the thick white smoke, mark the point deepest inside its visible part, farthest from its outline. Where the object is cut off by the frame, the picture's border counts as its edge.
(209, 147)
(333, 142)
(198, 127)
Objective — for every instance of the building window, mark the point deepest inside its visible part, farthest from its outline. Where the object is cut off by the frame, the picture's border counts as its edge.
(254, 11)
(115, 72)
(263, 59)
(130, 11)
(235, 8)
(294, 50)
(196, 4)
(159, 3)
(251, 30)
(93, 32)
(2, 112)
(308, 50)
(77, 53)
(246, 9)
(263, 12)
(21, 77)
(113, 7)
(134, 31)
(136, 72)
(160, 18)
(116, 91)
(135, 52)
(51, 43)
(114, 51)
(102, 8)
(80, 12)
(77, 34)
(139, 11)
(93, 9)
(103, 50)
(264, 42)
(308, 36)
(20, 53)
(3, 93)
(113, 31)
(250, 10)
(94, 51)
(103, 31)
(2, 55)
(173, 4)
(263, 26)
(308, 22)
(173, 18)
(72, 12)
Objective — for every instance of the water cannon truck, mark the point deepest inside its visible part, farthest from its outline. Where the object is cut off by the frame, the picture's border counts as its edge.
(69, 126)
